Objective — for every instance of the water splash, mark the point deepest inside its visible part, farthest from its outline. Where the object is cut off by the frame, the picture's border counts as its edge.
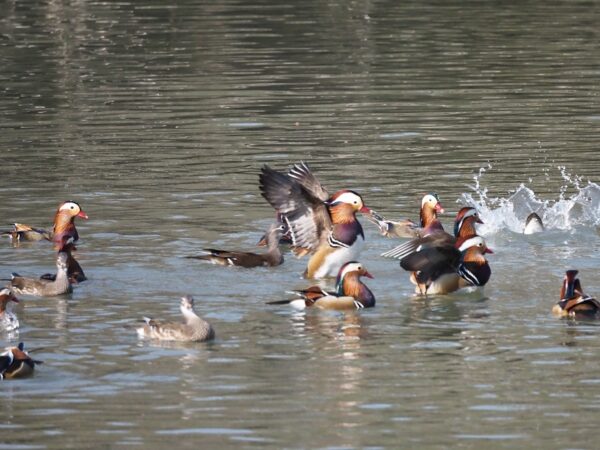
(581, 208)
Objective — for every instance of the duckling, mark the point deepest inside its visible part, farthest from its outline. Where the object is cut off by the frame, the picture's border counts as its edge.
(42, 287)
(16, 363)
(193, 329)
(573, 302)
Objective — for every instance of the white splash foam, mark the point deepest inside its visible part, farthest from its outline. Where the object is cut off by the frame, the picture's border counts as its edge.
(581, 208)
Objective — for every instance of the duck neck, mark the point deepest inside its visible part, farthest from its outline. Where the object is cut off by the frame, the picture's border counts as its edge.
(427, 216)
(465, 228)
(352, 286)
(342, 213)
(190, 316)
(273, 252)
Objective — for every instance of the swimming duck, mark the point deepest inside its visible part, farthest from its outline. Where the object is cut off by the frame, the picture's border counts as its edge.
(573, 302)
(428, 220)
(64, 226)
(444, 268)
(351, 293)
(43, 287)
(464, 228)
(193, 328)
(320, 224)
(74, 270)
(533, 224)
(16, 363)
(273, 257)
(8, 320)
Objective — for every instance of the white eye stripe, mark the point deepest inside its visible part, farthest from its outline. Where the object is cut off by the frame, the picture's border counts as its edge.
(474, 241)
(348, 197)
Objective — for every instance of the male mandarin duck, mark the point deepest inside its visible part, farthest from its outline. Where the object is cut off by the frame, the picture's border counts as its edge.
(8, 319)
(533, 224)
(428, 220)
(42, 287)
(64, 226)
(16, 363)
(272, 257)
(351, 293)
(444, 268)
(74, 270)
(464, 228)
(193, 328)
(320, 224)
(573, 302)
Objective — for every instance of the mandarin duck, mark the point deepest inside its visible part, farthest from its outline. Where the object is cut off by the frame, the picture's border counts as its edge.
(64, 226)
(320, 224)
(8, 319)
(272, 257)
(16, 363)
(428, 220)
(74, 270)
(443, 268)
(193, 328)
(350, 294)
(41, 287)
(573, 302)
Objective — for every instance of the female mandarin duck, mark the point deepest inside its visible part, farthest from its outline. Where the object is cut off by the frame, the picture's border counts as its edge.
(428, 220)
(351, 293)
(74, 270)
(443, 268)
(273, 257)
(319, 224)
(8, 320)
(64, 226)
(573, 302)
(16, 363)
(42, 287)
(193, 329)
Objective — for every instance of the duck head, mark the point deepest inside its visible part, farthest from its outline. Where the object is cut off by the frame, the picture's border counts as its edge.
(343, 205)
(351, 268)
(430, 208)
(465, 221)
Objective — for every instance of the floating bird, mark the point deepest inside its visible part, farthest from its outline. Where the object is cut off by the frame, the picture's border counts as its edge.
(533, 224)
(43, 287)
(428, 220)
(74, 270)
(64, 226)
(351, 293)
(320, 224)
(443, 268)
(16, 363)
(193, 328)
(573, 302)
(8, 319)
(273, 257)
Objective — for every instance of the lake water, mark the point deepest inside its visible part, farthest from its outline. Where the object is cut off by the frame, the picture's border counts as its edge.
(157, 116)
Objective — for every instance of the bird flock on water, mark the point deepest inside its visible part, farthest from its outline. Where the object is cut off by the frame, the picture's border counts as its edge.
(311, 222)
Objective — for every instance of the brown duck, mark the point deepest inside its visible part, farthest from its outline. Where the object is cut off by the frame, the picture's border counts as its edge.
(41, 287)
(16, 363)
(573, 302)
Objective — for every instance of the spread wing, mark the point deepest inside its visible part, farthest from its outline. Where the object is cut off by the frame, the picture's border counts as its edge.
(301, 206)
(302, 174)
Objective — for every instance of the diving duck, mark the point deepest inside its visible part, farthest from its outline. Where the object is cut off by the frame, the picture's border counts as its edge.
(443, 268)
(64, 226)
(42, 287)
(272, 257)
(320, 224)
(533, 224)
(74, 270)
(351, 293)
(193, 328)
(16, 363)
(8, 319)
(428, 220)
(573, 302)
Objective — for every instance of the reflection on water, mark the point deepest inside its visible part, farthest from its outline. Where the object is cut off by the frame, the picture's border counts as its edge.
(157, 117)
